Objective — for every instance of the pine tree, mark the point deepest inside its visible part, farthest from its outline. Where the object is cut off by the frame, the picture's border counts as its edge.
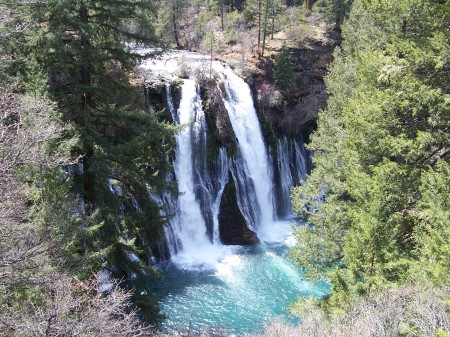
(80, 47)
(170, 16)
(381, 154)
(334, 11)
(283, 71)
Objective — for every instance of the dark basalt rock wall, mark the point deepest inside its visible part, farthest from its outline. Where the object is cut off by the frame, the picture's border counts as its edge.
(294, 111)
(216, 115)
(156, 96)
(232, 226)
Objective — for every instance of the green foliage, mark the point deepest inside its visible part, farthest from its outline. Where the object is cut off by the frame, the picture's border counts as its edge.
(234, 25)
(200, 26)
(283, 71)
(102, 215)
(251, 10)
(433, 231)
(334, 11)
(377, 198)
(294, 22)
(169, 19)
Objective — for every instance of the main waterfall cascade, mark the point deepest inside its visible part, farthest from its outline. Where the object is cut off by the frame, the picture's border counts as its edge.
(208, 283)
(239, 104)
(262, 181)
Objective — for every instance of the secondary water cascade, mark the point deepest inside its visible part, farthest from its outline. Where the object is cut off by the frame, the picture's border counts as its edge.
(209, 285)
(189, 226)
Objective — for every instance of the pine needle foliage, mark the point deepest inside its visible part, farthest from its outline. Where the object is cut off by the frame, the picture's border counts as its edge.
(77, 53)
(377, 199)
(283, 71)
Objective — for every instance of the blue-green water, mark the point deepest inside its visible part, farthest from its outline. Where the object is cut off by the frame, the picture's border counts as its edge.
(245, 290)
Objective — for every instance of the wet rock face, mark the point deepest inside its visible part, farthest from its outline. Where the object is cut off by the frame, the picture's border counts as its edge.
(155, 93)
(232, 226)
(216, 114)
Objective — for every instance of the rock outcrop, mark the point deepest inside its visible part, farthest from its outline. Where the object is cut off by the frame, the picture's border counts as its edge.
(232, 226)
(216, 114)
(295, 110)
(156, 96)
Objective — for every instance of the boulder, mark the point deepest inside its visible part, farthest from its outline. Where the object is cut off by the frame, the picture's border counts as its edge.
(233, 228)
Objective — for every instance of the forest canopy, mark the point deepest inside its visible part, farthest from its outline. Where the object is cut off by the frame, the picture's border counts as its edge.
(80, 155)
(378, 196)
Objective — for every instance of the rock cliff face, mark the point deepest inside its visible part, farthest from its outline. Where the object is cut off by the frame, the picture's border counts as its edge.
(216, 114)
(308, 96)
(232, 226)
(156, 96)
(295, 110)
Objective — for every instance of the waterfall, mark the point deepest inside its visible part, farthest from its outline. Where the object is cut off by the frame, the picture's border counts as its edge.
(222, 165)
(246, 194)
(290, 168)
(232, 189)
(188, 240)
(262, 176)
(239, 104)
(170, 105)
(189, 226)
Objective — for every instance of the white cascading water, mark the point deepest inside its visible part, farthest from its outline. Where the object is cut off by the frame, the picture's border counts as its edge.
(194, 229)
(189, 226)
(223, 167)
(193, 248)
(170, 105)
(239, 104)
(300, 161)
(291, 168)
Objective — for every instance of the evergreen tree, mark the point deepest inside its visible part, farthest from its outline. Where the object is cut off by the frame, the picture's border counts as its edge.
(170, 16)
(283, 72)
(253, 12)
(381, 155)
(80, 49)
(335, 11)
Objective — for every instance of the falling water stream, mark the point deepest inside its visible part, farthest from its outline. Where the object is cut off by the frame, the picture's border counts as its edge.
(209, 286)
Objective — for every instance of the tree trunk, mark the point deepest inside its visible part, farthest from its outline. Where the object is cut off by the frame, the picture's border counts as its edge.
(308, 4)
(175, 26)
(86, 104)
(266, 12)
(259, 23)
(273, 20)
(222, 5)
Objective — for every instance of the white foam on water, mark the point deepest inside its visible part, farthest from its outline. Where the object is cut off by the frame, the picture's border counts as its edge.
(205, 257)
(227, 268)
(277, 232)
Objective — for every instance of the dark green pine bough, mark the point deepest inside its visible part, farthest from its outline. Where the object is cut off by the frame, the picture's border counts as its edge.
(80, 53)
(378, 199)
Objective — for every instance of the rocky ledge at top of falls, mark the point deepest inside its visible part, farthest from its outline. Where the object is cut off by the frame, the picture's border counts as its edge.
(290, 112)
